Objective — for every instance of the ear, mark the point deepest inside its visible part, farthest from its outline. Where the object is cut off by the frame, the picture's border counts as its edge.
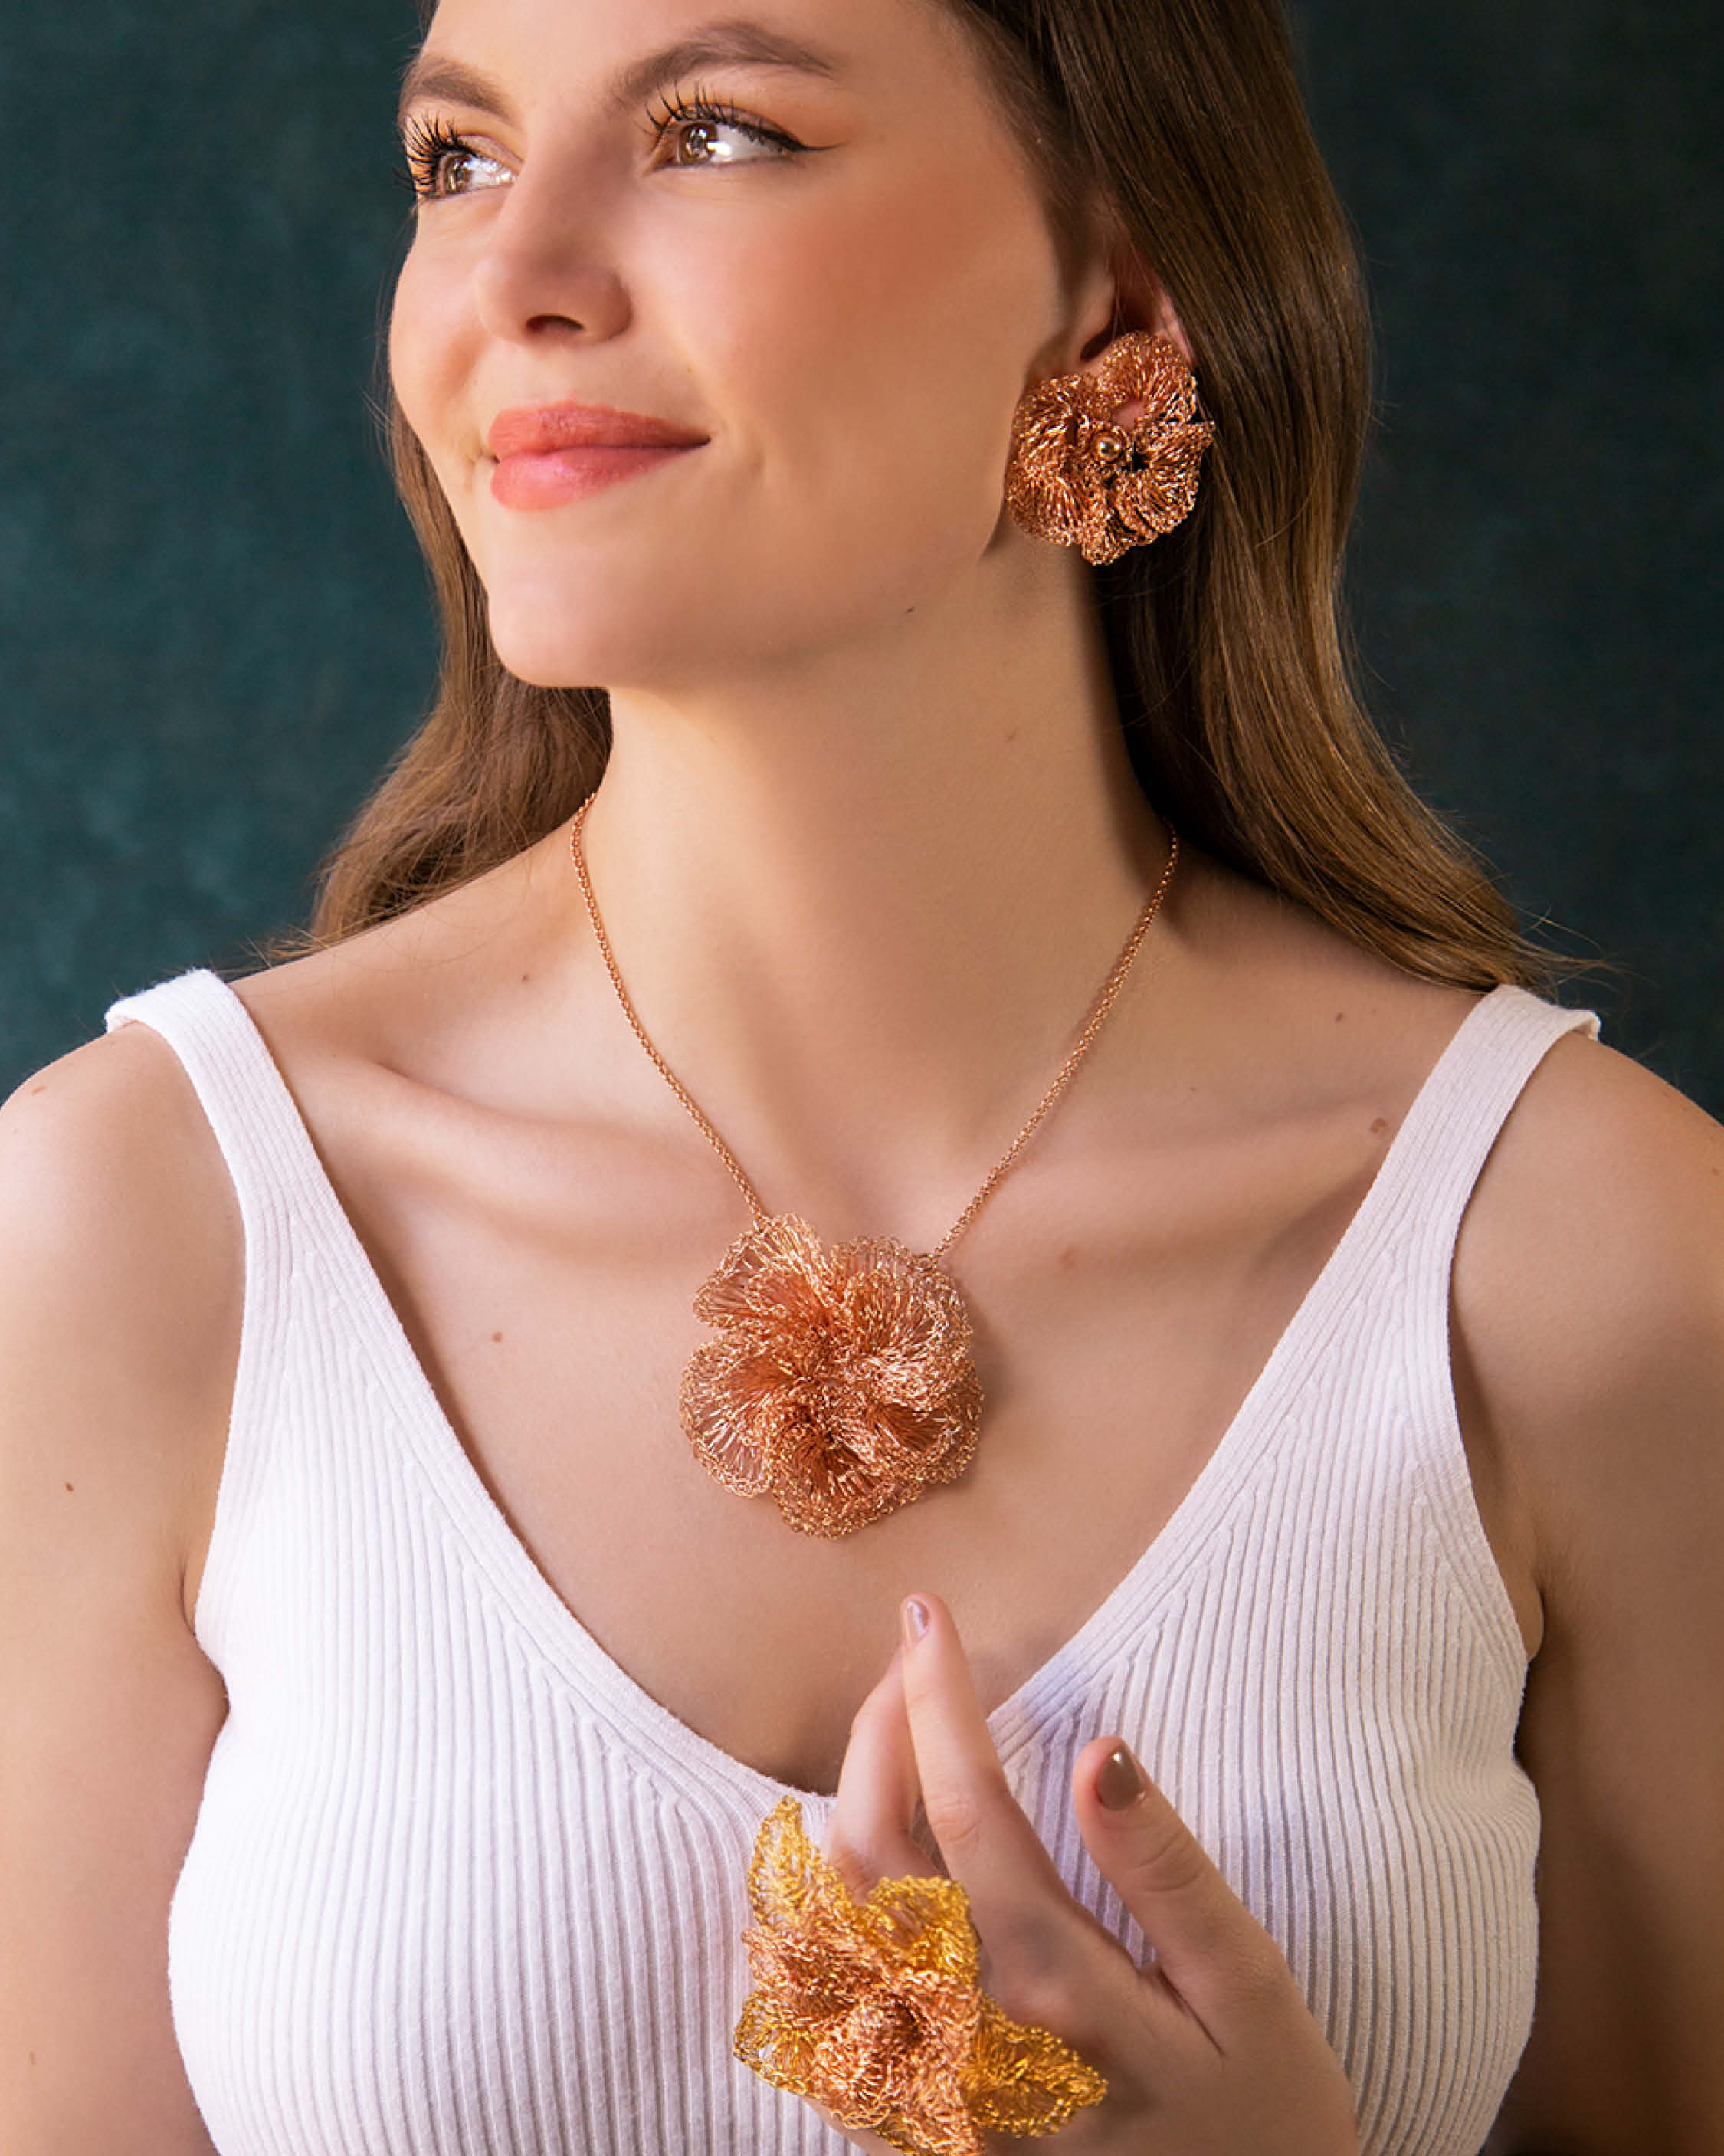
(1121, 293)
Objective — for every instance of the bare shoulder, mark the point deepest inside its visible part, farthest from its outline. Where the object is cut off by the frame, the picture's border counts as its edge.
(1589, 1306)
(121, 1276)
(107, 1161)
(1589, 1280)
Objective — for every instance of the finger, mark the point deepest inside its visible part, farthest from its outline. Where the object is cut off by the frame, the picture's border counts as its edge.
(989, 1847)
(1205, 1936)
(868, 1836)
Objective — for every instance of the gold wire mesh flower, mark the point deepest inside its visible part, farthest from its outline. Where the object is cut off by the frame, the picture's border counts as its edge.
(1078, 477)
(841, 1384)
(875, 2009)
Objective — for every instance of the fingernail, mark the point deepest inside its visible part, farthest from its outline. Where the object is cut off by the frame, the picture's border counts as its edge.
(1118, 1783)
(915, 1619)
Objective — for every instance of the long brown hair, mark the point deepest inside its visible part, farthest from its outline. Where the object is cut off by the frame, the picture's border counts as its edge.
(1225, 637)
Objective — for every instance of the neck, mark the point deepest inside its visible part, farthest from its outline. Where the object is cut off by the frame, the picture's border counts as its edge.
(863, 901)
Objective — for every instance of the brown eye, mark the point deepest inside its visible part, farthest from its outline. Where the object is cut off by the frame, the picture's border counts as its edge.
(694, 144)
(441, 164)
(702, 132)
(719, 143)
(466, 171)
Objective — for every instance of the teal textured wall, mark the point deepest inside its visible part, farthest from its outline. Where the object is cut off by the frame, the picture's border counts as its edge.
(213, 625)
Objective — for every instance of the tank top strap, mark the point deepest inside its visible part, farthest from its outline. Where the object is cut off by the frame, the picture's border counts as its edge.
(293, 1239)
(1442, 1148)
(1459, 1113)
(277, 1177)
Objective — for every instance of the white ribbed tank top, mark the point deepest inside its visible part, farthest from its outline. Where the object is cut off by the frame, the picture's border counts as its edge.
(459, 1886)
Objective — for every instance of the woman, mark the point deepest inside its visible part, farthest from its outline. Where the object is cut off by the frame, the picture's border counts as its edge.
(377, 1608)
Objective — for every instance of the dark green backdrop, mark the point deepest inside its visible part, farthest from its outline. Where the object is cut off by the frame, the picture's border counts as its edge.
(212, 628)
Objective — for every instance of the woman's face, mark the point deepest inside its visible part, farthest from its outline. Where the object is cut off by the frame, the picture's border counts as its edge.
(811, 244)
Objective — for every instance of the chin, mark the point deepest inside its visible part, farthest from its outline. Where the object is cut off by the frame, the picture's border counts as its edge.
(568, 640)
(617, 638)
(690, 614)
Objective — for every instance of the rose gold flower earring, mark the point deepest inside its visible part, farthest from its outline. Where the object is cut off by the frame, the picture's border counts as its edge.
(1081, 478)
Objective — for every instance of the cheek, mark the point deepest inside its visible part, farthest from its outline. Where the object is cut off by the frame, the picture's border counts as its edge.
(880, 356)
(430, 357)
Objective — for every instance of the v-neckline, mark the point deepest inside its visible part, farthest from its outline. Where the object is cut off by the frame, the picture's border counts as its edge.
(695, 1762)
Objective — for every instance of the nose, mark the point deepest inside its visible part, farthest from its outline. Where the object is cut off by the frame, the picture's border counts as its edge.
(546, 272)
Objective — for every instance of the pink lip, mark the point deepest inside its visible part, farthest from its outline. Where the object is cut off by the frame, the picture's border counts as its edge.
(550, 454)
(539, 430)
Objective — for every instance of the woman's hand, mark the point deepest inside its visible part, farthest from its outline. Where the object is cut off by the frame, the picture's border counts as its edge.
(1211, 2049)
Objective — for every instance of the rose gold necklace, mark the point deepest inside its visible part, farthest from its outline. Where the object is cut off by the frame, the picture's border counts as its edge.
(841, 1384)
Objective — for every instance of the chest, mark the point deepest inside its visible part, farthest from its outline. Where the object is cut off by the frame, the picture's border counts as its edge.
(1118, 1328)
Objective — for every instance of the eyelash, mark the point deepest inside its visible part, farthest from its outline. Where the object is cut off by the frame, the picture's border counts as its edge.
(701, 108)
(426, 144)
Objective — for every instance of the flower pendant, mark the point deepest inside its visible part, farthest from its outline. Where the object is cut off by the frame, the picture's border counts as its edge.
(841, 1384)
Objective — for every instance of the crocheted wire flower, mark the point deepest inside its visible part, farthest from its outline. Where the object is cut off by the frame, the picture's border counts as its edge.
(874, 2009)
(1081, 479)
(841, 1384)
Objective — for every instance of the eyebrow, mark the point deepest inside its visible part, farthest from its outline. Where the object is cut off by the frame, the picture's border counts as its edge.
(737, 43)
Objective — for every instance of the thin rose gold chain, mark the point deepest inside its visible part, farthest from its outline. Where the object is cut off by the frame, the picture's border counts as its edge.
(1103, 1004)
(681, 1091)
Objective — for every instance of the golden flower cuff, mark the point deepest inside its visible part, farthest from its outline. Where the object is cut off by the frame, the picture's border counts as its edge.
(875, 2009)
